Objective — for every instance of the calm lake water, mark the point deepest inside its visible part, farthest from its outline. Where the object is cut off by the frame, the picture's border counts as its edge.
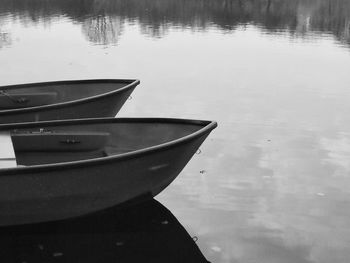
(272, 183)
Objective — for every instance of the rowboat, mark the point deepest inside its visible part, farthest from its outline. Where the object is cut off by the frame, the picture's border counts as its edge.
(145, 232)
(64, 99)
(60, 169)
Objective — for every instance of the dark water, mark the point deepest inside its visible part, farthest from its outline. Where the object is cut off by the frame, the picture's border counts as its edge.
(272, 182)
(147, 232)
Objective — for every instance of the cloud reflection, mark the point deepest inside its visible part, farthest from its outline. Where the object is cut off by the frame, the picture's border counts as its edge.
(276, 195)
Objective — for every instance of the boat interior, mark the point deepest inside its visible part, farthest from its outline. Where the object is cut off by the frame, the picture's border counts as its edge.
(66, 143)
(23, 96)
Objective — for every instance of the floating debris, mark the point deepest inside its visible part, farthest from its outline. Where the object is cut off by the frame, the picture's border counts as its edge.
(321, 194)
(119, 243)
(57, 254)
(202, 171)
(165, 222)
(41, 247)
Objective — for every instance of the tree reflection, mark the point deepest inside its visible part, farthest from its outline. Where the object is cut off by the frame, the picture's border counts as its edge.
(102, 29)
(5, 39)
(102, 20)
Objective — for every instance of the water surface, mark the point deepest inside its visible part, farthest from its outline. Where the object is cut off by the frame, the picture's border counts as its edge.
(272, 181)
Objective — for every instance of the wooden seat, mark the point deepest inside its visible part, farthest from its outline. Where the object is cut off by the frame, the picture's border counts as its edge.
(7, 153)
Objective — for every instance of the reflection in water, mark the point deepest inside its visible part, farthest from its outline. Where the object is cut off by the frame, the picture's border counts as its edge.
(5, 39)
(102, 19)
(282, 196)
(146, 232)
(103, 29)
(272, 183)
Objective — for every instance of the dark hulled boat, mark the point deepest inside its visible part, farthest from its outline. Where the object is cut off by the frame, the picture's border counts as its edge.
(60, 169)
(64, 99)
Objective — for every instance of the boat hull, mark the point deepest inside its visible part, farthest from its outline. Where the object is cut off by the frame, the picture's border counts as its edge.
(67, 192)
(105, 105)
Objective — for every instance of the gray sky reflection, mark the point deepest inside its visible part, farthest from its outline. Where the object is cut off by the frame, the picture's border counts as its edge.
(277, 201)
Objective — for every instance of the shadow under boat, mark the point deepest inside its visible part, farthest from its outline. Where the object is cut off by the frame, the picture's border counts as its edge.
(143, 232)
(58, 100)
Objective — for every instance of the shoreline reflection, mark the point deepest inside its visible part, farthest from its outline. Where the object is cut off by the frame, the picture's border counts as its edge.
(102, 20)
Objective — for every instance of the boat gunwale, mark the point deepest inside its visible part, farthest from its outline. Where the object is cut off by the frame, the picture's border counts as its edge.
(207, 127)
(132, 83)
